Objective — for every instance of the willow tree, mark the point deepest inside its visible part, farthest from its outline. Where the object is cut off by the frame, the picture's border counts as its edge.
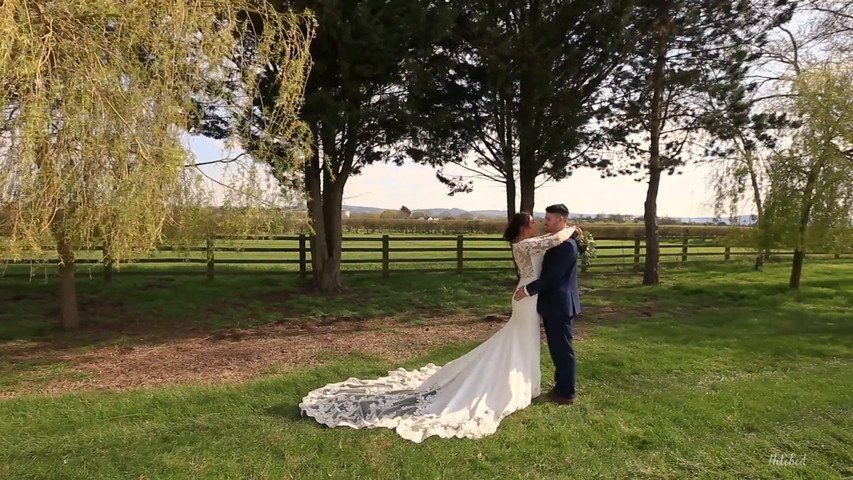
(749, 157)
(810, 199)
(95, 98)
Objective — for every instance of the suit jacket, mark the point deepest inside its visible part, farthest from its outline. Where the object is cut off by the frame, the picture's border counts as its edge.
(557, 286)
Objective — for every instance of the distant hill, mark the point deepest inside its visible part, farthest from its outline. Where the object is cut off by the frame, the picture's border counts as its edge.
(741, 220)
(457, 212)
(355, 209)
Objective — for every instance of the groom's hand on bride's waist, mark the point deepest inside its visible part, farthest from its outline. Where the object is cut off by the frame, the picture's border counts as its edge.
(520, 294)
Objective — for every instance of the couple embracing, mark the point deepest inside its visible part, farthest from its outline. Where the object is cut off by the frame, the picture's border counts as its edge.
(469, 396)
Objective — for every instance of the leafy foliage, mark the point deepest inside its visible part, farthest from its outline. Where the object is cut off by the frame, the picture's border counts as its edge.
(810, 201)
(95, 99)
(354, 111)
(514, 95)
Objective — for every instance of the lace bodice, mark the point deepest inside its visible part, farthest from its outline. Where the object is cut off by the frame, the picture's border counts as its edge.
(528, 252)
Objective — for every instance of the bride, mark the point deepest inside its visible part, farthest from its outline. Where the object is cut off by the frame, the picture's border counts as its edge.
(470, 395)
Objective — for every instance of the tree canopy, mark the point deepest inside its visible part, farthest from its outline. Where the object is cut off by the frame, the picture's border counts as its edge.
(689, 64)
(513, 96)
(354, 110)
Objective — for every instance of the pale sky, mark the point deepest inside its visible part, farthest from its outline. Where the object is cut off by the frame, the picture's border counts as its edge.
(415, 186)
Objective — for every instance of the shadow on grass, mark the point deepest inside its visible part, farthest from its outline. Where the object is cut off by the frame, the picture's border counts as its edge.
(135, 308)
(130, 307)
(704, 304)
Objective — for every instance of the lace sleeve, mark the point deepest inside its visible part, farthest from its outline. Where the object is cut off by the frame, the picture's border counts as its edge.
(544, 242)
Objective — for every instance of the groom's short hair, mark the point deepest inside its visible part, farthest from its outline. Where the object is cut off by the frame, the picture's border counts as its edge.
(558, 209)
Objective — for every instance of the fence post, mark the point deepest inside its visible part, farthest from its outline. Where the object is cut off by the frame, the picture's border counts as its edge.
(728, 253)
(108, 263)
(211, 271)
(386, 256)
(837, 255)
(684, 250)
(460, 250)
(303, 264)
(637, 253)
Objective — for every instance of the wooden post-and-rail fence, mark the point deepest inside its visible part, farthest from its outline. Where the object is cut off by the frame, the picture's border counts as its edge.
(630, 253)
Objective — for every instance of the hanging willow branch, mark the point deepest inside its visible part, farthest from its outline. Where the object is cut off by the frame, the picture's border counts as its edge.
(96, 96)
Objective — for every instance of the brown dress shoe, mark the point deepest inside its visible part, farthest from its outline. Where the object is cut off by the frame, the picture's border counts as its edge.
(552, 396)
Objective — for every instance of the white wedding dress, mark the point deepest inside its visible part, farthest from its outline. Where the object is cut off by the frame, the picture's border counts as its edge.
(469, 396)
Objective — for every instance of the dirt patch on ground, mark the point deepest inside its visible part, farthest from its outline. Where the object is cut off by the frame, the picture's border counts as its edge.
(236, 355)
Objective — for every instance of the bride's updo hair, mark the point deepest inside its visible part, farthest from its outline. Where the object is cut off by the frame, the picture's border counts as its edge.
(518, 221)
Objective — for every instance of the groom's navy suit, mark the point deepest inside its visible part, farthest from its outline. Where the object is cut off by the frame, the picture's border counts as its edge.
(558, 304)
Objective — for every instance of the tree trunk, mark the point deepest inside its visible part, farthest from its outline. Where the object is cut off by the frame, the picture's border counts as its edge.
(527, 167)
(70, 319)
(797, 268)
(314, 201)
(324, 209)
(759, 259)
(763, 250)
(651, 272)
(108, 262)
(329, 279)
(325, 270)
(802, 228)
(69, 315)
(510, 188)
(528, 192)
(510, 198)
(506, 134)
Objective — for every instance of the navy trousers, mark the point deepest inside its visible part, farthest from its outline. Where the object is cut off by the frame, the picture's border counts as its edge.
(560, 344)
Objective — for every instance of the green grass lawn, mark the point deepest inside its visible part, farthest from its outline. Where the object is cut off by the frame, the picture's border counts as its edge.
(706, 376)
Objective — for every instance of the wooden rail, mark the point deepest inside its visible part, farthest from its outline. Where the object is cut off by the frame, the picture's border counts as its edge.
(450, 256)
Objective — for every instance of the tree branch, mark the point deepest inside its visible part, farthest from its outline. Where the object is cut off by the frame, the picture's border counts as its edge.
(221, 160)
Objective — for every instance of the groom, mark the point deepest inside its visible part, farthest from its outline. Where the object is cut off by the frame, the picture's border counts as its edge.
(558, 304)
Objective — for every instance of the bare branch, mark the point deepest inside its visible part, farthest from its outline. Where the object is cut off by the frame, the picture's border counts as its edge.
(221, 160)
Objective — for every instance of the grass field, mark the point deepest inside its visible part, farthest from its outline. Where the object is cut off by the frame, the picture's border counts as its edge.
(707, 376)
